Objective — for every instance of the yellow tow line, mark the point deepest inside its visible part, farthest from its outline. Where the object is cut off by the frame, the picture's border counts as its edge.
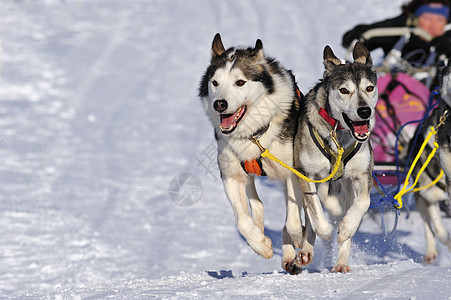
(406, 189)
(265, 153)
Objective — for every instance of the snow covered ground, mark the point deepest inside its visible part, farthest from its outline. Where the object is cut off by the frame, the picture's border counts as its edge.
(99, 117)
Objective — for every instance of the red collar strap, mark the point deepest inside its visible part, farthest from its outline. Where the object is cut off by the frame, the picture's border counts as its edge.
(323, 113)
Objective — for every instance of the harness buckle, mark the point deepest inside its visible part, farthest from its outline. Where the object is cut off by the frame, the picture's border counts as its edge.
(254, 140)
(333, 135)
(442, 119)
(440, 123)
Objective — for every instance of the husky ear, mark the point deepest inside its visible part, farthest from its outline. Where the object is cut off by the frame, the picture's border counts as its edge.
(217, 48)
(257, 52)
(330, 60)
(361, 55)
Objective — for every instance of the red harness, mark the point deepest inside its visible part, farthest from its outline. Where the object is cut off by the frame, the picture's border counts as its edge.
(323, 113)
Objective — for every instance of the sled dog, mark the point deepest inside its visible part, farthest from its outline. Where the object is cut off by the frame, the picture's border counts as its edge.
(342, 104)
(427, 200)
(248, 95)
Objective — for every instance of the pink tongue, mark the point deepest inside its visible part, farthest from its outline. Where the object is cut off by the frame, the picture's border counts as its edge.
(227, 122)
(361, 129)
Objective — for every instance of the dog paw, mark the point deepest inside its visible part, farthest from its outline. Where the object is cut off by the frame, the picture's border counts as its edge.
(345, 231)
(264, 248)
(430, 257)
(341, 268)
(304, 257)
(268, 252)
(292, 267)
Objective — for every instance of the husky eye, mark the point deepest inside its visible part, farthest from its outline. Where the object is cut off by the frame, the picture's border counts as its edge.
(370, 88)
(344, 91)
(215, 83)
(240, 82)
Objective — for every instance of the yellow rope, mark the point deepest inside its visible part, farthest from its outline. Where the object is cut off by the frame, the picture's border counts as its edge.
(434, 182)
(405, 188)
(265, 153)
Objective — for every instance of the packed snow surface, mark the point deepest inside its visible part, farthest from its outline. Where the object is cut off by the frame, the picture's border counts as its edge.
(100, 124)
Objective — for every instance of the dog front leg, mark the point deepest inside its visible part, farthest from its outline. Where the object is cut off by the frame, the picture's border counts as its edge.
(236, 192)
(439, 228)
(359, 198)
(305, 256)
(315, 211)
(292, 234)
(256, 205)
(294, 202)
(330, 194)
(431, 246)
(343, 256)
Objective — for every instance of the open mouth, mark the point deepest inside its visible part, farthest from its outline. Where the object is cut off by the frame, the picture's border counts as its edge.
(229, 122)
(360, 129)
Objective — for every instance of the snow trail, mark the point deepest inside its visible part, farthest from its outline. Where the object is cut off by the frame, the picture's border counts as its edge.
(99, 113)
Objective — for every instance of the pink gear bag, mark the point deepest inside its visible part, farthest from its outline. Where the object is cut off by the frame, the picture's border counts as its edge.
(401, 99)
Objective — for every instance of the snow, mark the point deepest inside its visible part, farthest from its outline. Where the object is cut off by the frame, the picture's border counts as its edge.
(99, 115)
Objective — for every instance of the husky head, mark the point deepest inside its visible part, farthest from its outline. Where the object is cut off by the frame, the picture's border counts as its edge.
(446, 86)
(237, 87)
(352, 91)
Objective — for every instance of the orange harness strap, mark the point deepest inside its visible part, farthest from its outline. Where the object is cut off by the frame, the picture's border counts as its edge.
(253, 166)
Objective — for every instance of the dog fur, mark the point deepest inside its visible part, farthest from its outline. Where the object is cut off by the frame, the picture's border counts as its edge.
(245, 94)
(427, 200)
(348, 93)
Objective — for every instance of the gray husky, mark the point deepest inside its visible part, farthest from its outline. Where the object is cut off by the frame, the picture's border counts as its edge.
(340, 105)
(248, 95)
(427, 200)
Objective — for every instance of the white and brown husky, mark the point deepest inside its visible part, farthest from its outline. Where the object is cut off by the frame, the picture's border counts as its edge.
(247, 94)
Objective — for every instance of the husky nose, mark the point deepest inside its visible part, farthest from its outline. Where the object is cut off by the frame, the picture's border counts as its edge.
(220, 105)
(364, 112)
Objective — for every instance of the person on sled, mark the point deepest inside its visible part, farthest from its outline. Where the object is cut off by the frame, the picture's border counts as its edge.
(431, 16)
(428, 41)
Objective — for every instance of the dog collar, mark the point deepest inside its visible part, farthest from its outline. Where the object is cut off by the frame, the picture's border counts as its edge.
(332, 122)
(260, 132)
